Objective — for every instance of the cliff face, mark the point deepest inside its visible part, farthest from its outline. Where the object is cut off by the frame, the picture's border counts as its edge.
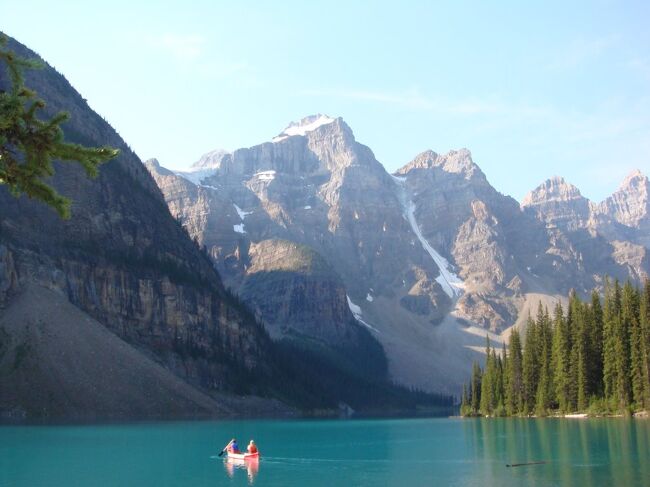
(629, 204)
(609, 238)
(296, 293)
(123, 259)
(558, 204)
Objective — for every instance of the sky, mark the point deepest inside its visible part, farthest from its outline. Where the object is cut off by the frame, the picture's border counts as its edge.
(532, 89)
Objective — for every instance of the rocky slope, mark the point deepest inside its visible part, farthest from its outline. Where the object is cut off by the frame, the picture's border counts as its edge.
(57, 361)
(296, 293)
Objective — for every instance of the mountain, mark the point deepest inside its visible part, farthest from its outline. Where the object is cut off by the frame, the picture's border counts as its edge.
(316, 186)
(607, 238)
(124, 262)
(120, 313)
(629, 204)
(297, 269)
(558, 204)
(432, 258)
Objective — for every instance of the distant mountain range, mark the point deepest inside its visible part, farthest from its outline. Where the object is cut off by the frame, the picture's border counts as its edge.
(294, 274)
(118, 313)
(309, 227)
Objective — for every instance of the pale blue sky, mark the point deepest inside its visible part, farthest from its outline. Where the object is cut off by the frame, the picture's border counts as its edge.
(531, 90)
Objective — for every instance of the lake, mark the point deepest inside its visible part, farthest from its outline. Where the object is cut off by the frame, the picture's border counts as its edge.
(402, 452)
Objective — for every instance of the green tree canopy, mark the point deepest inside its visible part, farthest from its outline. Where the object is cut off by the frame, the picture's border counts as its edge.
(29, 144)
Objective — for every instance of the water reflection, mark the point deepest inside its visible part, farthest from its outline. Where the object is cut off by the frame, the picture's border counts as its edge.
(578, 452)
(251, 466)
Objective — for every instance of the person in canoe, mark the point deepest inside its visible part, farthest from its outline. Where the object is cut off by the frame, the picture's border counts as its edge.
(233, 447)
(252, 447)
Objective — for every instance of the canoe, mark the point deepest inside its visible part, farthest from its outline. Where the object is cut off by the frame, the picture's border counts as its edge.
(244, 456)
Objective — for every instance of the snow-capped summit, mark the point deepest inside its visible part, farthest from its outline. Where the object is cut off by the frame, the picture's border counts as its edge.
(307, 124)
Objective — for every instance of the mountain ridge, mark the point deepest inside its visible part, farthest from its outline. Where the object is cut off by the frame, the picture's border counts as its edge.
(433, 245)
(139, 283)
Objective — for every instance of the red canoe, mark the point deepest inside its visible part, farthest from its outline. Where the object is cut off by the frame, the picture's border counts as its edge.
(244, 456)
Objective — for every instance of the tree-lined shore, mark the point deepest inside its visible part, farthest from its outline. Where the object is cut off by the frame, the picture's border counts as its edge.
(594, 358)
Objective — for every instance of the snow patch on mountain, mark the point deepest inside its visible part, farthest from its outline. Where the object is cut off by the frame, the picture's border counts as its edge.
(196, 176)
(305, 125)
(358, 313)
(239, 228)
(265, 175)
(450, 282)
(205, 167)
(242, 214)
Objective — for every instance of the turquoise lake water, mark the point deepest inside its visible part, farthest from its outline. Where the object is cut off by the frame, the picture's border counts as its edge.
(404, 452)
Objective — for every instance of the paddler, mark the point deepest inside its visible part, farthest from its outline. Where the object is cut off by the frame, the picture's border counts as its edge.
(233, 447)
(252, 447)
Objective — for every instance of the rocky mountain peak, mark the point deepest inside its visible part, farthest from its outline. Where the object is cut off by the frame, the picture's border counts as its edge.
(153, 166)
(559, 204)
(303, 126)
(153, 162)
(210, 160)
(635, 182)
(629, 204)
(555, 188)
(454, 162)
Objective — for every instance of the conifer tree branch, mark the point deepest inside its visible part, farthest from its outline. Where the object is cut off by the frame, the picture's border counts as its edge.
(29, 144)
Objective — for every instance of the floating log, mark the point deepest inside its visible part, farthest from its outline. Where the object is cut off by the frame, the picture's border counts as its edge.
(524, 464)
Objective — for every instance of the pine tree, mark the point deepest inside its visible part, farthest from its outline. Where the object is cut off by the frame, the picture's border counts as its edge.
(644, 320)
(596, 359)
(544, 397)
(530, 367)
(488, 382)
(579, 354)
(637, 375)
(611, 318)
(475, 388)
(29, 144)
(465, 408)
(504, 378)
(499, 393)
(629, 313)
(514, 381)
(561, 359)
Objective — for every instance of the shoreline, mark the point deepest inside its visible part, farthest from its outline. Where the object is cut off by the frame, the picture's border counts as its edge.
(285, 415)
(636, 415)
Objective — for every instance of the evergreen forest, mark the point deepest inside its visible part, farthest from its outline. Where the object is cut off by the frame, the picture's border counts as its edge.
(593, 358)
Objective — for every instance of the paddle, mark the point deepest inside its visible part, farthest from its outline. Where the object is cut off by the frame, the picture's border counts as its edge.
(225, 448)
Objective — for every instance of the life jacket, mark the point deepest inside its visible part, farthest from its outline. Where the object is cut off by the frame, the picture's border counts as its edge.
(252, 449)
